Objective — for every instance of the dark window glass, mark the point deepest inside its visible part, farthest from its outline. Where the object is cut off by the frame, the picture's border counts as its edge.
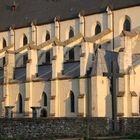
(71, 54)
(72, 102)
(97, 29)
(47, 36)
(4, 43)
(127, 25)
(71, 33)
(20, 104)
(25, 40)
(48, 57)
(4, 61)
(43, 113)
(44, 99)
(25, 58)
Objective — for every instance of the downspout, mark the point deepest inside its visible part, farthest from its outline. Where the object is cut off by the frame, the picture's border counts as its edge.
(113, 30)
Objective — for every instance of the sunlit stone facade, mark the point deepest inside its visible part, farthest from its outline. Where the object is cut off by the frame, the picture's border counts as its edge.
(56, 69)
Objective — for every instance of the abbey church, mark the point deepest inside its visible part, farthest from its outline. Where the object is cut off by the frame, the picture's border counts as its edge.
(54, 53)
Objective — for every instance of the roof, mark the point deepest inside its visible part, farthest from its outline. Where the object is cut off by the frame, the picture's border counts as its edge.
(20, 73)
(44, 11)
(102, 62)
(45, 71)
(71, 69)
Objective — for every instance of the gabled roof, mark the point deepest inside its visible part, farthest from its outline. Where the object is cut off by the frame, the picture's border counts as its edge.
(44, 11)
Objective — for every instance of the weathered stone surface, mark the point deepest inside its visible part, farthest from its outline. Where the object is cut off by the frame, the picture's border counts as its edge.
(66, 127)
(54, 127)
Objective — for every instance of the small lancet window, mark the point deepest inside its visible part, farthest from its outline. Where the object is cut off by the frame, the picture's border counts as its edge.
(44, 98)
(25, 40)
(20, 105)
(127, 25)
(97, 29)
(71, 54)
(72, 102)
(71, 33)
(47, 36)
(4, 43)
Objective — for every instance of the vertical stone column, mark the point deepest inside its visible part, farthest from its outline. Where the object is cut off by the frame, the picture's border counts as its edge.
(82, 24)
(57, 28)
(12, 36)
(31, 70)
(110, 25)
(109, 18)
(35, 112)
(8, 111)
(57, 61)
(8, 70)
(126, 41)
(86, 57)
(85, 66)
(31, 67)
(8, 75)
(57, 67)
(135, 104)
(127, 53)
(9, 66)
(34, 33)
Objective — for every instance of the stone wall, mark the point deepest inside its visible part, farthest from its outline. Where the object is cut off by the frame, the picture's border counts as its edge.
(66, 127)
(129, 126)
(54, 127)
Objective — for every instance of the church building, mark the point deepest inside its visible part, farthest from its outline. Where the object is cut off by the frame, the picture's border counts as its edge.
(55, 54)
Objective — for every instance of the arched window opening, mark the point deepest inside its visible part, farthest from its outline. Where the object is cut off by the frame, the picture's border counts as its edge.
(47, 36)
(48, 57)
(43, 113)
(25, 40)
(71, 54)
(71, 33)
(20, 105)
(127, 25)
(4, 43)
(97, 29)
(72, 102)
(44, 98)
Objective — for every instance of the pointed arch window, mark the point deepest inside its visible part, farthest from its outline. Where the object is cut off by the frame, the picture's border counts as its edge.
(127, 25)
(4, 43)
(44, 98)
(72, 102)
(47, 36)
(71, 32)
(20, 104)
(25, 40)
(97, 29)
